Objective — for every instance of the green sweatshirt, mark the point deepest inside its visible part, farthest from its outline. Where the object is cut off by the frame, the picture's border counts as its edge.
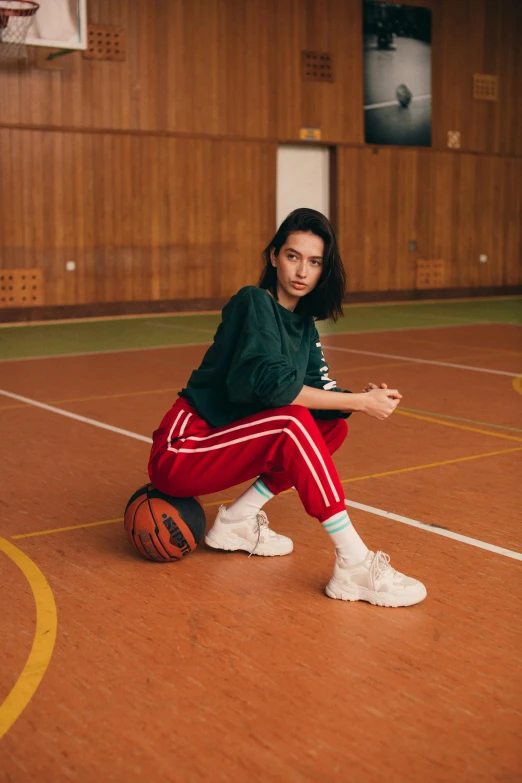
(261, 357)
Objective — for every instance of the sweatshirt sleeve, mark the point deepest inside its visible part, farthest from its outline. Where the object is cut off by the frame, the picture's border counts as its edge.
(318, 376)
(258, 372)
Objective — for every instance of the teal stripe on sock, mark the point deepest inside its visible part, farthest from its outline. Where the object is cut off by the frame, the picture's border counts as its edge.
(263, 490)
(333, 521)
(338, 529)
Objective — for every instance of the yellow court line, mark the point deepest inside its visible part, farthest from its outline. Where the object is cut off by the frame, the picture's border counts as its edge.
(113, 396)
(430, 465)
(517, 384)
(175, 389)
(97, 524)
(368, 367)
(69, 527)
(458, 426)
(343, 481)
(43, 642)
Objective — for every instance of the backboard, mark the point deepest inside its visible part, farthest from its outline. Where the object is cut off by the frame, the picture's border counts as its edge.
(59, 23)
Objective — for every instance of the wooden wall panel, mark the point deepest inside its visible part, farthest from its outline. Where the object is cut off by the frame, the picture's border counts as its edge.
(157, 174)
(232, 68)
(455, 207)
(336, 108)
(478, 36)
(143, 217)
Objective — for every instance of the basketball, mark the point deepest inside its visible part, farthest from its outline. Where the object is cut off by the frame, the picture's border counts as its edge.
(161, 527)
(404, 95)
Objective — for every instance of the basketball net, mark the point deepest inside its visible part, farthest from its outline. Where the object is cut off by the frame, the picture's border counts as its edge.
(15, 19)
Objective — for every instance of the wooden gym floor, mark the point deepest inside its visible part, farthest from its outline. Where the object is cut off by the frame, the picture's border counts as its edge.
(225, 668)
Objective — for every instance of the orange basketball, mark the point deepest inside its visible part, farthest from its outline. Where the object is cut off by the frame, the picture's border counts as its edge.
(161, 527)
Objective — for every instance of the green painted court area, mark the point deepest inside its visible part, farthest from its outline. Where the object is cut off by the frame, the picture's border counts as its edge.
(27, 340)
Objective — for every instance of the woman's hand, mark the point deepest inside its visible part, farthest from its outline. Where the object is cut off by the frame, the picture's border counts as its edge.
(380, 402)
(374, 386)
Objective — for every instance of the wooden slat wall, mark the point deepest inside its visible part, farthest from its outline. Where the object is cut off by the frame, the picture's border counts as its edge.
(455, 207)
(232, 68)
(143, 217)
(157, 174)
(478, 36)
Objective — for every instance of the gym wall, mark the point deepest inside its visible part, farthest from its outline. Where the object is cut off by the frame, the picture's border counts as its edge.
(156, 174)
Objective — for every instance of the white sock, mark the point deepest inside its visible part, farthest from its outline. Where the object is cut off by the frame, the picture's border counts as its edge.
(249, 503)
(348, 543)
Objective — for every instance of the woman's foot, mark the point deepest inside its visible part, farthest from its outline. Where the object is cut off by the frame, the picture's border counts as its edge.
(250, 534)
(375, 581)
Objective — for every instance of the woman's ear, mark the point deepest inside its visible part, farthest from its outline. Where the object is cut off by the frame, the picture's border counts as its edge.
(273, 257)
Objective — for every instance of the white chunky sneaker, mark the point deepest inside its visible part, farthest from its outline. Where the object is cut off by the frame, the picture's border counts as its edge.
(250, 534)
(375, 581)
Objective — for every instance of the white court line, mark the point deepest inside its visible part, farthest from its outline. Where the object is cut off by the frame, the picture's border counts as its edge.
(76, 416)
(194, 345)
(422, 361)
(370, 509)
(371, 106)
(499, 550)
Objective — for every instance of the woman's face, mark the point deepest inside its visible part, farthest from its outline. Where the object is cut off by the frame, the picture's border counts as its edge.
(299, 265)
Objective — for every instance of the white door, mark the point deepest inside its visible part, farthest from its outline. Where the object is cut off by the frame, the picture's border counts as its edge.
(303, 179)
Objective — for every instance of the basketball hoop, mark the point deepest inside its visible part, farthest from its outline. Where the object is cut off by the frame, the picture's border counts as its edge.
(15, 19)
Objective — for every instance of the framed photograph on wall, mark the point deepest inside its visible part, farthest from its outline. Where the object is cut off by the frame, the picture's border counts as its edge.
(397, 74)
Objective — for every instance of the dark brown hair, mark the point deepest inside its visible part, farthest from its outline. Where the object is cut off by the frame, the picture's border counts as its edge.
(326, 300)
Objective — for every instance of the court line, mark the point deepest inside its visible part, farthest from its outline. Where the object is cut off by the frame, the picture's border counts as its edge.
(75, 416)
(64, 529)
(353, 369)
(468, 347)
(182, 327)
(190, 313)
(203, 344)
(88, 319)
(458, 426)
(93, 398)
(430, 465)
(46, 617)
(145, 439)
(101, 353)
(421, 361)
(383, 104)
(231, 500)
(459, 418)
(368, 367)
(134, 435)
(43, 642)
(172, 389)
(438, 531)
(160, 391)
(399, 364)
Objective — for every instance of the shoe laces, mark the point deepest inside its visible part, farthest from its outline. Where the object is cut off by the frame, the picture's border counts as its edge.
(380, 566)
(262, 527)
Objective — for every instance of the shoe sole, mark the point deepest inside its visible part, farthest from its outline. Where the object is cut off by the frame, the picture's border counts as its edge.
(230, 542)
(356, 593)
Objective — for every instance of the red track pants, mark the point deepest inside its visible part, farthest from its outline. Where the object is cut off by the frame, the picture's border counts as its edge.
(286, 447)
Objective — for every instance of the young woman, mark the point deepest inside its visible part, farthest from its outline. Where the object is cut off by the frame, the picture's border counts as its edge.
(262, 405)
